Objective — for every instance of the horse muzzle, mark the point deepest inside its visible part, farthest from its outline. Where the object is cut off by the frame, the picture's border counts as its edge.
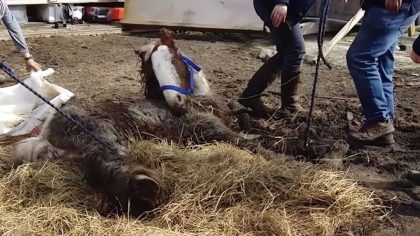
(176, 101)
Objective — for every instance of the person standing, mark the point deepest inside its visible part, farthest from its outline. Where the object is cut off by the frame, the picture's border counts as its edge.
(370, 60)
(282, 17)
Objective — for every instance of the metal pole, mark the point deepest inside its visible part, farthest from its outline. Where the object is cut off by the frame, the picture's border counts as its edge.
(321, 34)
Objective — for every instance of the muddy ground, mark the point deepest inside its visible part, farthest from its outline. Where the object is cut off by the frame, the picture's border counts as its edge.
(106, 67)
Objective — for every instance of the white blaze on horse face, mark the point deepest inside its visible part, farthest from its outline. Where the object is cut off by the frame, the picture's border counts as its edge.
(167, 74)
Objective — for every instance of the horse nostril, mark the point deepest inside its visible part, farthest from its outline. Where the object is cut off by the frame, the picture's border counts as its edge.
(179, 98)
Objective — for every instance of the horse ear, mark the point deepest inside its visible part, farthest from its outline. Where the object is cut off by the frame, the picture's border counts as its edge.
(166, 38)
(145, 52)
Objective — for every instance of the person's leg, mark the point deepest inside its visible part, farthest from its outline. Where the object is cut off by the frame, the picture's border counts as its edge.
(265, 75)
(386, 69)
(371, 63)
(291, 69)
(269, 71)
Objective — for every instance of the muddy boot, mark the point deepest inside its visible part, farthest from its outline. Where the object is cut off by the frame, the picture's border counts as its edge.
(374, 133)
(251, 97)
(289, 96)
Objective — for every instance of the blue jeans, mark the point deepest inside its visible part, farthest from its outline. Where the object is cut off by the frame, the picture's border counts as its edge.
(370, 58)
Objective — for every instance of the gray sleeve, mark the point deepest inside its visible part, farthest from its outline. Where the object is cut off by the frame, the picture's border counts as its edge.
(9, 20)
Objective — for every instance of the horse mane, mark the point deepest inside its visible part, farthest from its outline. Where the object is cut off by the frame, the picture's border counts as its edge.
(148, 80)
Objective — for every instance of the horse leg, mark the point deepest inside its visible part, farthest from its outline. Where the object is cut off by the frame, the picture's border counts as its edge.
(129, 189)
(205, 127)
(66, 135)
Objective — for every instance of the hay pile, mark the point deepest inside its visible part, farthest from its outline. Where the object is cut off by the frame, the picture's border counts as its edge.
(216, 190)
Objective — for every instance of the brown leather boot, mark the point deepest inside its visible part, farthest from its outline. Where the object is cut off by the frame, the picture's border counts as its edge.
(374, 133)
(251, 97)
(289, 96)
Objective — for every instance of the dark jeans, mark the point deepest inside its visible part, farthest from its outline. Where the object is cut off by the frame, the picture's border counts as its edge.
(288, 39)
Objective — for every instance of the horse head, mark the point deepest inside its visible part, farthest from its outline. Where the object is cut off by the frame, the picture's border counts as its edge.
(167, 74)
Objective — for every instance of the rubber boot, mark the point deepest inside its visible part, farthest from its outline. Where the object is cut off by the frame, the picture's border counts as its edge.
(289, 96)
(251, 97)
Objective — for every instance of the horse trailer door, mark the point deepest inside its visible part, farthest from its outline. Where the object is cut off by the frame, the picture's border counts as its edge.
(216, 14)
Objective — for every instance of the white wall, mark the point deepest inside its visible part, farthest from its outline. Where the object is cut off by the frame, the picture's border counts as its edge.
(221, 14)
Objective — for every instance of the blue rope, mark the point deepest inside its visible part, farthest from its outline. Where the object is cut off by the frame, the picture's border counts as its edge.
(320, 39)
(11, 73)
(189, 62)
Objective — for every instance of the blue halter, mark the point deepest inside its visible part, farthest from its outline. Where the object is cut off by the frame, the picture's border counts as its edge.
(190, 66)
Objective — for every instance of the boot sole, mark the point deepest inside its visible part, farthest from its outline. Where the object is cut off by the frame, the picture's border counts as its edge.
(281, 114)
(382, 141)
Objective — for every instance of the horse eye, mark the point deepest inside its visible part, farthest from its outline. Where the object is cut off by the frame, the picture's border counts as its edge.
(173, 60)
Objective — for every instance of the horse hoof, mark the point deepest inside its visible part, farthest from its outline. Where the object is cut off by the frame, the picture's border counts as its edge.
(145, 186)
(244, 121)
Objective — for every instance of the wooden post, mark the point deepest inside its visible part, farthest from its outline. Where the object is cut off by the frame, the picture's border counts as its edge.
(343, 32)
(412, 30)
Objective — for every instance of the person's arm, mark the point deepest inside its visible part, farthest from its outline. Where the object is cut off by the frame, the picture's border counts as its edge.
(15, 32)
(12, 26)
(415, 54)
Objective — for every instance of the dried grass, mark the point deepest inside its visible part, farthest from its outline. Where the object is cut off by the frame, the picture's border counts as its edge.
(216, 190)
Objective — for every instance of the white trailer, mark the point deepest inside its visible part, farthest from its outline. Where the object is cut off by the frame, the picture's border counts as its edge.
(208, 14)
(219, 14)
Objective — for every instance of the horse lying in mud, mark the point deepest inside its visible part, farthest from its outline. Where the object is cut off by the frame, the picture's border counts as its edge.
(114, 122)
(166, 113)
